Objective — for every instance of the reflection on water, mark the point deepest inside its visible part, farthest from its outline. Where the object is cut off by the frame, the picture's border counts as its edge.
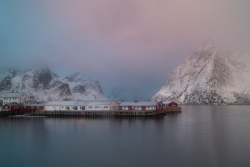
(199, 136)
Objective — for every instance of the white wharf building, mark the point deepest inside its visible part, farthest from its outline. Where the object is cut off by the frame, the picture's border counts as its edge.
(138, 105)
(95, 105)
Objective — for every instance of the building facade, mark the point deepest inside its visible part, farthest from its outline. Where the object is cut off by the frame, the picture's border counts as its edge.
(97, 105)
(14, 97)
(138, 106)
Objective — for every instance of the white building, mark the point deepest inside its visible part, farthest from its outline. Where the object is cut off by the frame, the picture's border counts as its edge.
(93, 105)
(14, 97)
(138, 105)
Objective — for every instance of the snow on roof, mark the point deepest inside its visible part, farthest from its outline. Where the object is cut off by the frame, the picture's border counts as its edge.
(33, 104)
(14, 104)
(12, 94)
(147, 103)
(79, 103)
(166, 102)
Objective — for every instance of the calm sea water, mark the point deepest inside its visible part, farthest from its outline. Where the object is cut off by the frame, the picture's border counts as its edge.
(201, 136)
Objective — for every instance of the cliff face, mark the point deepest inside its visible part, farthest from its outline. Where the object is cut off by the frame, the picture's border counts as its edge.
(209, 77)
(42, 85)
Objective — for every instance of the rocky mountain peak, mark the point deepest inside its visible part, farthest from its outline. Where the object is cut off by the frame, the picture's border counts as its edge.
(43, 85)
(10, 72)
(207, 44)
(204, 53)
(44, 76)
(76, 77)
(209, 77)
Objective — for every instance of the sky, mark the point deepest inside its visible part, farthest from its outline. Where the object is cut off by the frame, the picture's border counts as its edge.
(129, 46)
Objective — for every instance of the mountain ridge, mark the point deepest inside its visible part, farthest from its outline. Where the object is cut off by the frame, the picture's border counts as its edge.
(42, 85)
(208, 77)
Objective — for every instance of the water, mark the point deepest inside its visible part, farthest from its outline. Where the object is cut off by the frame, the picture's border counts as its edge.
(202, 136)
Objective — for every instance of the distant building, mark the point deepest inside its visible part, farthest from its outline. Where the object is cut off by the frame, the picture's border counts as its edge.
(14, 97)
(89, 105)
(139, 105)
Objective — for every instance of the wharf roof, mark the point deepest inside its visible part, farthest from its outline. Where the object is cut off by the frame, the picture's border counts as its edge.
(33, 104)
(79, 103)
(14, 104)
(12, 94)
(146, 103)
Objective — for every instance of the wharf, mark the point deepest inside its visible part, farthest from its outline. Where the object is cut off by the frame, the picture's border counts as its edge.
(26, 116)
(98, 113)
(33, 114)
(13, 112)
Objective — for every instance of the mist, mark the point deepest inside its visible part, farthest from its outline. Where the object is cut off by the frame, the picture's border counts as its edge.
(129, 46)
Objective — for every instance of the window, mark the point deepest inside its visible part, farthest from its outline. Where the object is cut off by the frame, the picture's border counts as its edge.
(75, 108)
(96, 106)
(90, 106)
(106, 106)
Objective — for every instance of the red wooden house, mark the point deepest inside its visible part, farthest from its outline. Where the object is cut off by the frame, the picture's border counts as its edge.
(12, 107)
(172, 104)
(33, 107)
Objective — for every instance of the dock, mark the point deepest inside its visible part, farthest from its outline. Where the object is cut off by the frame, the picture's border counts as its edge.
(26, 116)
(42, 113)
(97, 113)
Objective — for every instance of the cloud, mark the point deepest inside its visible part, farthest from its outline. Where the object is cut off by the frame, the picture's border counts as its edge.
(119, 40)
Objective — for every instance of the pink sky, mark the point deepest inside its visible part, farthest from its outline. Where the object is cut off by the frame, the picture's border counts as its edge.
(118, 40)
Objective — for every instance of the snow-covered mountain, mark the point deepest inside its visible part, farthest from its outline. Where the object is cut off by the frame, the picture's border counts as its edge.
(42, 85)
(209, 77)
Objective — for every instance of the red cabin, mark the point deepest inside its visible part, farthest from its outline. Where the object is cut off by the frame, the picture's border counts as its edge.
(12, 107)
(33, 107)
(172, 104)
(22, 107)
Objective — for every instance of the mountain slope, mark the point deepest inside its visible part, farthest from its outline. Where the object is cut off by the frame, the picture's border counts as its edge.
(42, 85)
(209, 77)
